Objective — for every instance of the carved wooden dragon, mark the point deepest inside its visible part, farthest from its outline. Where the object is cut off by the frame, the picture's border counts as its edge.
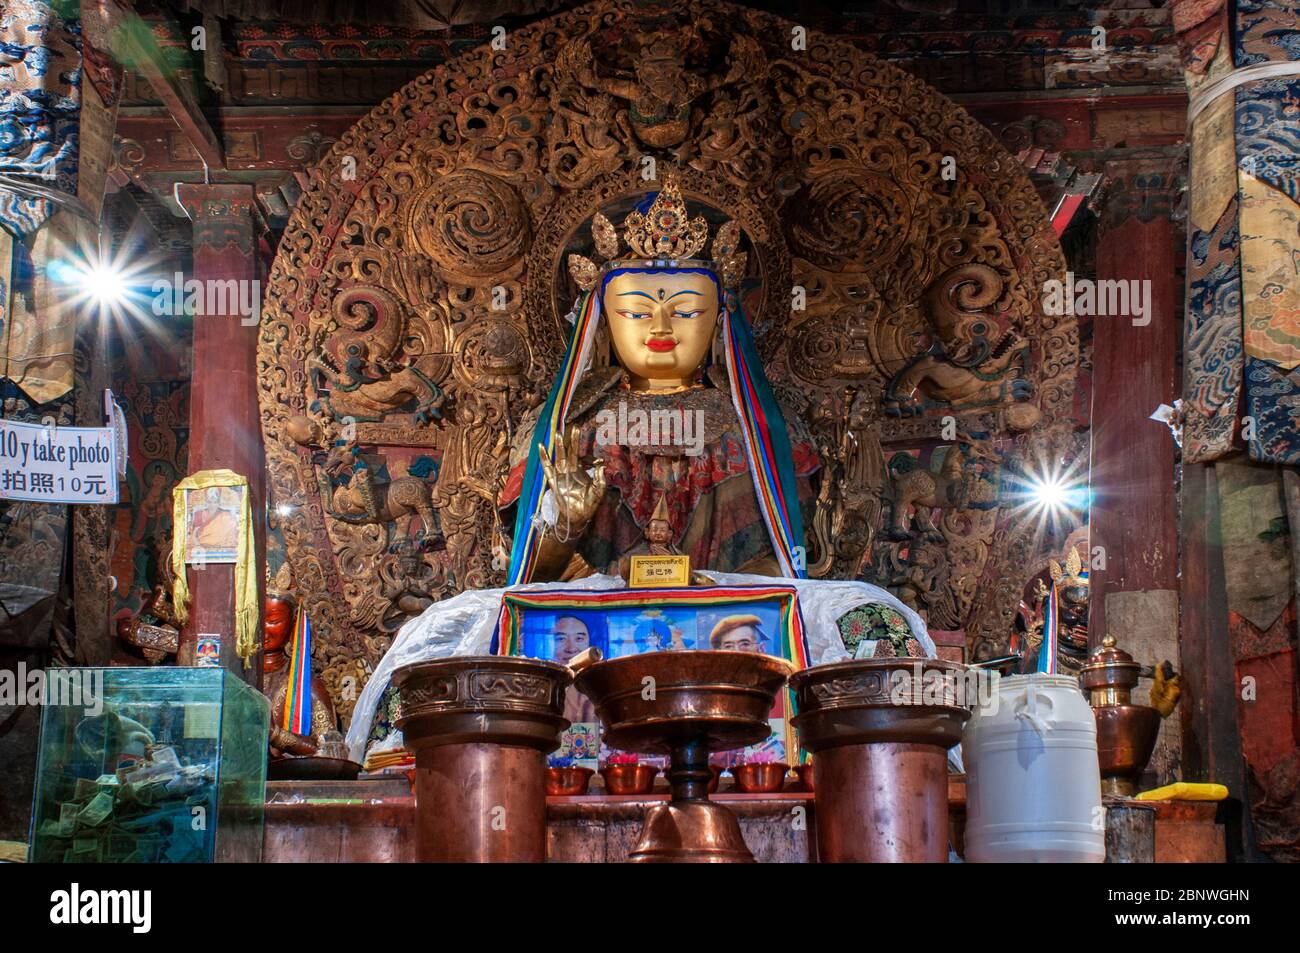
(960, 367)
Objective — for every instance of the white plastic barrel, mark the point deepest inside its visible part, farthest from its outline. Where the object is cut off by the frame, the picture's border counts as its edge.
(1033, 786)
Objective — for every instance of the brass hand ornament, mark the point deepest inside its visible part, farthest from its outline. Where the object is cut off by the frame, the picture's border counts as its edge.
(576, 493)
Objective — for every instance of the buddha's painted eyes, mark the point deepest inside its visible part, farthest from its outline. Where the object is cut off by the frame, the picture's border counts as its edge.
(688, 314)
(634, 315)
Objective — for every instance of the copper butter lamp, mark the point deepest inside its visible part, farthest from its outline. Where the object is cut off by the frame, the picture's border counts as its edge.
(686, 704)
(480, 727)
(880, 758)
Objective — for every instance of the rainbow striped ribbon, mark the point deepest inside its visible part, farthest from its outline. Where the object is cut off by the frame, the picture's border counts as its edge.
(1051, 633)
(793, 639)
(767, 444)
(297, 697)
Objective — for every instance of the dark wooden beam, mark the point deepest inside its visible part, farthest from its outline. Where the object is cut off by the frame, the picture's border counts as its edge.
(141, 53)
(1134, 509)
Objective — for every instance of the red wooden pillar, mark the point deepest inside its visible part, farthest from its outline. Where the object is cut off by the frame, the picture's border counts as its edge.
(1133, 517)
(225, 426)
(1135, 369)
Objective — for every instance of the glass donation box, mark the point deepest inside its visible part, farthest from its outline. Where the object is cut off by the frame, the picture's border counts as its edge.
(150, 765)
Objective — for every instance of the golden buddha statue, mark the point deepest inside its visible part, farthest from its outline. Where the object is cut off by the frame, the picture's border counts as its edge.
(670, 443)
(681, 440)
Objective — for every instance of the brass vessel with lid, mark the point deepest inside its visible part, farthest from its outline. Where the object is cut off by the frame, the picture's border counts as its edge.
(1126, 733)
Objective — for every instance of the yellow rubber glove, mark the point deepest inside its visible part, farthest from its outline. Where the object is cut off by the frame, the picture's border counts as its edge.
(1185, 791)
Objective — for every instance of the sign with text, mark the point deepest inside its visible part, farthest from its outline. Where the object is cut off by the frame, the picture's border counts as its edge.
(49, 464)
(650, 571)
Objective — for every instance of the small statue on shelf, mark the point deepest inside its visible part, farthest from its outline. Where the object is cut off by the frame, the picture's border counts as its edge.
(1068, 600)
(280, 614)
(154, 630)
(658, 542)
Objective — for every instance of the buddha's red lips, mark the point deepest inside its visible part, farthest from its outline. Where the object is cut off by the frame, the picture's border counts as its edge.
(661, 344)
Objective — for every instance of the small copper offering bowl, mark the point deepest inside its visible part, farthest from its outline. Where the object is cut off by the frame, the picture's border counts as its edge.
(561, 782)
(629, 778)
(805, 773)
(760, 778)
(716, 771)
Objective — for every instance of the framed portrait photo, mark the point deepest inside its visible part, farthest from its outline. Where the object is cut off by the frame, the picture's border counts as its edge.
(212, 523)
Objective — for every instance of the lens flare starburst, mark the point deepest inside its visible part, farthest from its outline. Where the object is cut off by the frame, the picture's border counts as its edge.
(113, 287)
(1053, 494)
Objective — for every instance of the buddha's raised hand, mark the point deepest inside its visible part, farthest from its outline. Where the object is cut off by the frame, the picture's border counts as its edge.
(577, 493)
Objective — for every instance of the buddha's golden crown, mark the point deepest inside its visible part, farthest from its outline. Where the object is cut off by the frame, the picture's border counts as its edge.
(663, 236)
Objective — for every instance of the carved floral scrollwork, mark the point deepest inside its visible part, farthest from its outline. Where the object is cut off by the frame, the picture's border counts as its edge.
(471, 225)
(847, 218)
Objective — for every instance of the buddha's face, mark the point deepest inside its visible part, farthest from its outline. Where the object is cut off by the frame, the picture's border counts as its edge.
(277, 623)
(661, 324)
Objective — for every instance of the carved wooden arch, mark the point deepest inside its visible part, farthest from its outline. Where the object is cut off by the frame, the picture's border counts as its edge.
(419, 277)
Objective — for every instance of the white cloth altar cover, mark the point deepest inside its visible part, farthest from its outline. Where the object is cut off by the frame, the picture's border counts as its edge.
(465, 624)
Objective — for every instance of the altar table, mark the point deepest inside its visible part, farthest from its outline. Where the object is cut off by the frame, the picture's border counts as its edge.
(373, 821)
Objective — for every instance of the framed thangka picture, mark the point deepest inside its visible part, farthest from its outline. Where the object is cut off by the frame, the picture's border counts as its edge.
(557, 624)
(212, 529)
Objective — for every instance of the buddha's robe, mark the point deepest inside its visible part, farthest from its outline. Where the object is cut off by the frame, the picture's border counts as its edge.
(705, 480)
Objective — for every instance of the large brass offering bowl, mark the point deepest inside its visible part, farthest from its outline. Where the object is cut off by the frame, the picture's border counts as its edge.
(489, 699)
(686, 704)
(859, 701)
(714, 697)
(879, 730)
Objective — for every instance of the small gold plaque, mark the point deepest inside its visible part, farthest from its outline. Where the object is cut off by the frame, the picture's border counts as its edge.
(650, 571)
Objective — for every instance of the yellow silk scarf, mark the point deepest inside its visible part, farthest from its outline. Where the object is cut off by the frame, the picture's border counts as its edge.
(245, 571)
